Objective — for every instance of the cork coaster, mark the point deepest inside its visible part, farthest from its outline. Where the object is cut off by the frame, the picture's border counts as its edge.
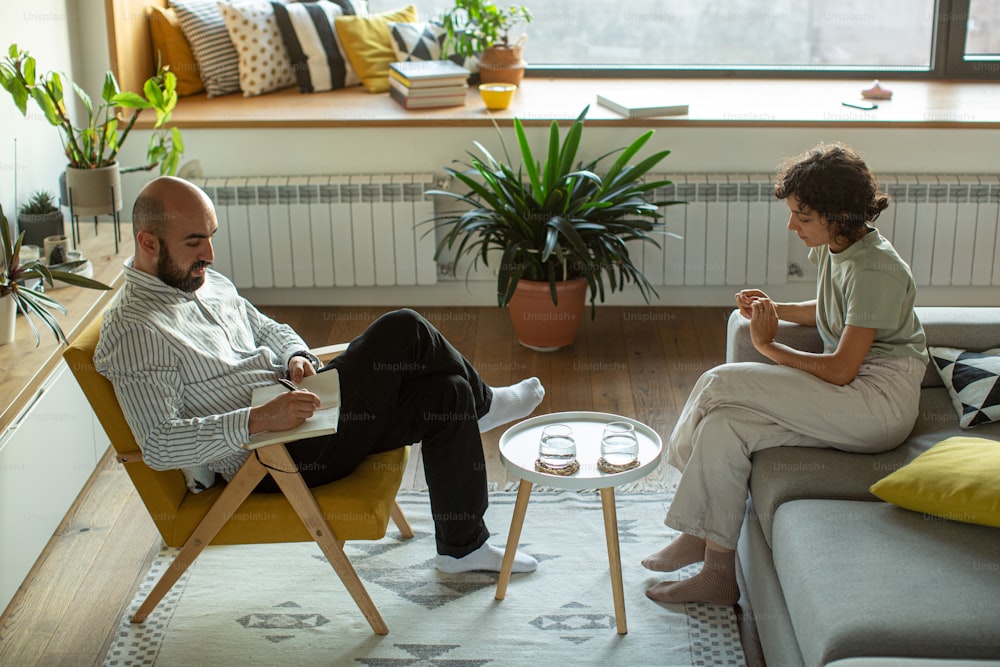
(610, 468)
(567, 470)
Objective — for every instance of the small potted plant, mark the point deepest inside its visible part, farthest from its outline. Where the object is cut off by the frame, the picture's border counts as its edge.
(16, 297)
(558, 228)
(93, 172)
(39, 218)
(480, 29)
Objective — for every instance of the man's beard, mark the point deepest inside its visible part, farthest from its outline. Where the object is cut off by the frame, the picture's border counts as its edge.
(175, 275)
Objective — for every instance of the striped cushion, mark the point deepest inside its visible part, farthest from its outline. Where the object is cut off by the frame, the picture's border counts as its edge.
(205, 30)
(318, 59)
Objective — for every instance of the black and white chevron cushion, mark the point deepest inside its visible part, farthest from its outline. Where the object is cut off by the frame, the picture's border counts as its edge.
(317, 58)
(218, 62)
(417, 41)
(973, 381)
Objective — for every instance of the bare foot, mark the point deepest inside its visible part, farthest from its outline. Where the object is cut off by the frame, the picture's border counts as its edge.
(715, 584)
(684, 550)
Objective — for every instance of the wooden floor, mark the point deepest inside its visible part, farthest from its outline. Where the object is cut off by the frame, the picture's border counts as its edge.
(639, 362)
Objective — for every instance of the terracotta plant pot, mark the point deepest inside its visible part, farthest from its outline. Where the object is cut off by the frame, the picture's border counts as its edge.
(541, 325)
(501, 64)
(93, 191)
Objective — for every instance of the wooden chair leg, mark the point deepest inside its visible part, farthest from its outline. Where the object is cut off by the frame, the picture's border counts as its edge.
(242, 484)
(276, 459)
(399, 519)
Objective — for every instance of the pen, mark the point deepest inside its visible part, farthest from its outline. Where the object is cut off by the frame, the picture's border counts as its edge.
(287, 384)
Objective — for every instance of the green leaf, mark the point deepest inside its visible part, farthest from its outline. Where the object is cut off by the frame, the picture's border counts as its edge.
(527, 158)
(129, 100)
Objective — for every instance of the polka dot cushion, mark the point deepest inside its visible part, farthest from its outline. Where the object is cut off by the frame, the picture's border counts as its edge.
(263, 60)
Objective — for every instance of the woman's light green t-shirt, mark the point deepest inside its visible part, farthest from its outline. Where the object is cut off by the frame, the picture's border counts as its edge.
(868, 285)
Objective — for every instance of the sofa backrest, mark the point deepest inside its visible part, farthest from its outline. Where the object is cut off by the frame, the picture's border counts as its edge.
(964, 327)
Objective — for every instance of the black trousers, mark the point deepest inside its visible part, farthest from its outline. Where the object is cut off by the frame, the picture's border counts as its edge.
(402, 382)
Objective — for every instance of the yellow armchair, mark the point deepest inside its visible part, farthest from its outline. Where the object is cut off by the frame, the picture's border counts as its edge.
(357, 507)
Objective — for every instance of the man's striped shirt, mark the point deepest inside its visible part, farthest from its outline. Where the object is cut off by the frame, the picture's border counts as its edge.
(184, 366)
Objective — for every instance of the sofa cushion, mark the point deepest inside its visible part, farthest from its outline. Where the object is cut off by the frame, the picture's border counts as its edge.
(870, 579)
(783, 474)
(958, 479)
(973, 380)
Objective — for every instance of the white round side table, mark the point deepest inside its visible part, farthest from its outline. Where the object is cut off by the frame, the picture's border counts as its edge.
(518, 451)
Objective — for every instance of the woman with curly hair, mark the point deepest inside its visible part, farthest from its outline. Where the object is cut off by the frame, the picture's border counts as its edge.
(860, 394)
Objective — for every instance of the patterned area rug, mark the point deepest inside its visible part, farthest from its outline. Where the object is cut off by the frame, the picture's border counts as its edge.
(284, 605)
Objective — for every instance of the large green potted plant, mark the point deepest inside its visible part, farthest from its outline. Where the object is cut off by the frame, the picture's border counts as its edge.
(554, 226)
(16, 296)
(93, 172)
(480, 29)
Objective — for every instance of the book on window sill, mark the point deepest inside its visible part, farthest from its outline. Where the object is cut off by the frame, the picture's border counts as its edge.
(454, 100)
(326, 385)
(428, 73)
(435, 91)
(633, 105)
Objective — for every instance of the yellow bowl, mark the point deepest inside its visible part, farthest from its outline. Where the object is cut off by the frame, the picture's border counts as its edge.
(497, 95)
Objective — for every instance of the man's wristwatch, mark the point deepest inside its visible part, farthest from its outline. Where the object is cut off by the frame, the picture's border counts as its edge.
(310, 357)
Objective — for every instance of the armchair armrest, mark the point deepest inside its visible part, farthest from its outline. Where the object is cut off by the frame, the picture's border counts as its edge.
(740, 348)
(327, 352)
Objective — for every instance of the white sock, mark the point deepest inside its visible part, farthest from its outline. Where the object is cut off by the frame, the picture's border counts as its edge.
(513, 402)
(486, 557)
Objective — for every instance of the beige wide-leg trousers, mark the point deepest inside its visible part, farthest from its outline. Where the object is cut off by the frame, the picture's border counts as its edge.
(737, 409)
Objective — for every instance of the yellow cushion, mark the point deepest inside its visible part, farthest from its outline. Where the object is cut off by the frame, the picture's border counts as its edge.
(368, 44)
(170, 44)
(957, 479)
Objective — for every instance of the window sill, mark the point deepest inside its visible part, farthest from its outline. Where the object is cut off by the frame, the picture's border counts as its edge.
(713, 103)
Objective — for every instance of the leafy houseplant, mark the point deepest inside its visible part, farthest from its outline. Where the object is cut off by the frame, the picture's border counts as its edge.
(39, 217)
(555, 221)
(15, 296)
(92, 148)
(479, 28)
(97, 143)
(474, 25)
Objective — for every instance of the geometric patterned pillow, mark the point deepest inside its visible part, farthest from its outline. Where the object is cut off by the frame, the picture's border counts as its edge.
(218, 61)
(973, 380)
(417, 41)
(317, 57)
(264, 63)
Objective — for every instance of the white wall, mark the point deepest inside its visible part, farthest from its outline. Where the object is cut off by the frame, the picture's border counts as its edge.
(42, 28)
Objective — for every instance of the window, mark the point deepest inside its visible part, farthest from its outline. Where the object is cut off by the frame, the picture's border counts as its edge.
(908, 38)
(976, 39)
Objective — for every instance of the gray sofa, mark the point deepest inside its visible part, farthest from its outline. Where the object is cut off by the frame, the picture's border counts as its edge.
(834, 576)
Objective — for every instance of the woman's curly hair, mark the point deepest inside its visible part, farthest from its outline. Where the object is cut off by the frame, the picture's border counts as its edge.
(834, 181)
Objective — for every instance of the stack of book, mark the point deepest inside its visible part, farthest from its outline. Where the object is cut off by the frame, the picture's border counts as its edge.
(423, 84)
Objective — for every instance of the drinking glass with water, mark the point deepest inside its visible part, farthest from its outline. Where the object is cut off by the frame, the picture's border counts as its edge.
(557, 450)
(619, 448)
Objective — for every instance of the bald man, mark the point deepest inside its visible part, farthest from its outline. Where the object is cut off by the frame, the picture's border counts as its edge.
(185, 351)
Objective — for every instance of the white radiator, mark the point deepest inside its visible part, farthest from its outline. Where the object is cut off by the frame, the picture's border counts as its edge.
(346, 231)
(324, 231)
(734, 231)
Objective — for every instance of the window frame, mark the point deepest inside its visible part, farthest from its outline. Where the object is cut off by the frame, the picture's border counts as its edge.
(947, 61)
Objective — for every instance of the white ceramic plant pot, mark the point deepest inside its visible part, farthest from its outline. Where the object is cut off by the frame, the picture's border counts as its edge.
(94, 191)
(8, 318)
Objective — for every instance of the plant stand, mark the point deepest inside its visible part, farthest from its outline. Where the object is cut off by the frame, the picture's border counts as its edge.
(81, 202)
